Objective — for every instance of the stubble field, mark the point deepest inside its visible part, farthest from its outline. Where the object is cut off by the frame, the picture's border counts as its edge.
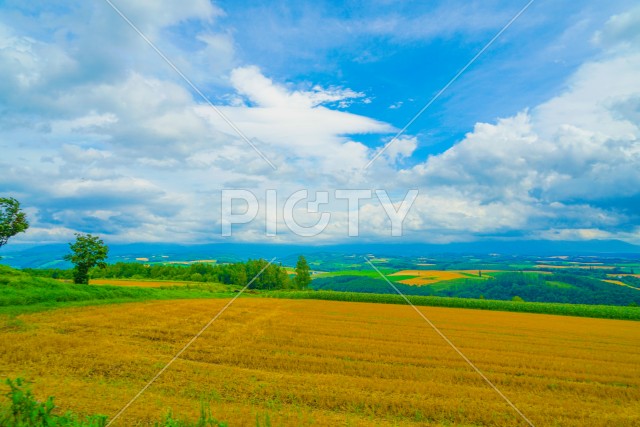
(303, 362)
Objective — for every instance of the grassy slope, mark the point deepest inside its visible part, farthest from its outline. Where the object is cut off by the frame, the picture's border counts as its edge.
(580, 310)
(21, 293)
(358, 273)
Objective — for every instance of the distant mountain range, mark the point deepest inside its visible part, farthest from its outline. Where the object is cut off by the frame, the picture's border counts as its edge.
(44, 256)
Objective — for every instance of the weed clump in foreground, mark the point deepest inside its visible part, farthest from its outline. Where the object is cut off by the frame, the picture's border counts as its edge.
(205, 420)
(25, 410)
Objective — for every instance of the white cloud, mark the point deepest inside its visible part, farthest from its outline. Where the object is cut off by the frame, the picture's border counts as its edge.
(250, 82)
(74, 153)
(85, 124)
(142, 145)
(591, 102)
(402, 148)
(170, 12)
(573, 160)
(294, 123)
(621, 31)
(104, 136)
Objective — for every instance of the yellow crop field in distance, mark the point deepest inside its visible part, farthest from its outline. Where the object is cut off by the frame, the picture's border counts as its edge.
(325, 363)
(429, 277)
(619, 283)
(138, 283)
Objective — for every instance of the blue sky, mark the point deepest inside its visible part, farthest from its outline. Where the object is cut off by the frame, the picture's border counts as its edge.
(538, 139)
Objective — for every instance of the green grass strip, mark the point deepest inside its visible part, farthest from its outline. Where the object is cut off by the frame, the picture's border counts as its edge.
(579, 310)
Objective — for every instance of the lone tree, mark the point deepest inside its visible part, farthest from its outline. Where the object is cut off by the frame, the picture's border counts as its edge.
(12, 219)
(303, 273)
(87, 252)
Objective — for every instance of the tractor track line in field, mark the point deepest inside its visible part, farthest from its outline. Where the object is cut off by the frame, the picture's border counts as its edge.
(186, 346)
(448, 341)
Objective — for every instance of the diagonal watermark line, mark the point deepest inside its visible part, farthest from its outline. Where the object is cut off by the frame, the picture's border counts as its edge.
(188, 81)
(196, 336)
(453, 79)
(448, 341)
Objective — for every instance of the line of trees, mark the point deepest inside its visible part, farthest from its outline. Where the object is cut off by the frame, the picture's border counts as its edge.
(530, 287)
(89, 254)
(274, 276)
(556, 287)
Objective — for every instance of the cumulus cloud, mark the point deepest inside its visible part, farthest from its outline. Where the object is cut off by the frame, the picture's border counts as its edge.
(111, 142)
(402, 148)
(98, 134)
(296, 123)
(250, 82)
(568, 168)
(621, 31)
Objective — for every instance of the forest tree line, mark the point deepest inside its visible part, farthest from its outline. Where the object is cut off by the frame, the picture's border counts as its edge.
(274, 276)
(532, 287)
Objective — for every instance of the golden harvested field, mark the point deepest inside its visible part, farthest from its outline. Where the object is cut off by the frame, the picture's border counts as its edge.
(329, 363)
(138, 283)
(429, 277)
(619, 283)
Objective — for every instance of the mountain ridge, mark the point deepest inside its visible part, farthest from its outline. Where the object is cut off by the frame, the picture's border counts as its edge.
(50, 255)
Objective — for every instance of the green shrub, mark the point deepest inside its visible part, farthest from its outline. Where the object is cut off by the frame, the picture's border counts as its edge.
(26, 411)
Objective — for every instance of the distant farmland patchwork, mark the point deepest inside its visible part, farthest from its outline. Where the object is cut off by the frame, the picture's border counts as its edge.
(461, 282)
(295, 362)
(410, 277)
(429, 277)
(330, 356)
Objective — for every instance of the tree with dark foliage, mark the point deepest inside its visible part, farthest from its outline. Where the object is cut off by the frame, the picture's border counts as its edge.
(87, 252)
(303, 273)
(12, 219)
